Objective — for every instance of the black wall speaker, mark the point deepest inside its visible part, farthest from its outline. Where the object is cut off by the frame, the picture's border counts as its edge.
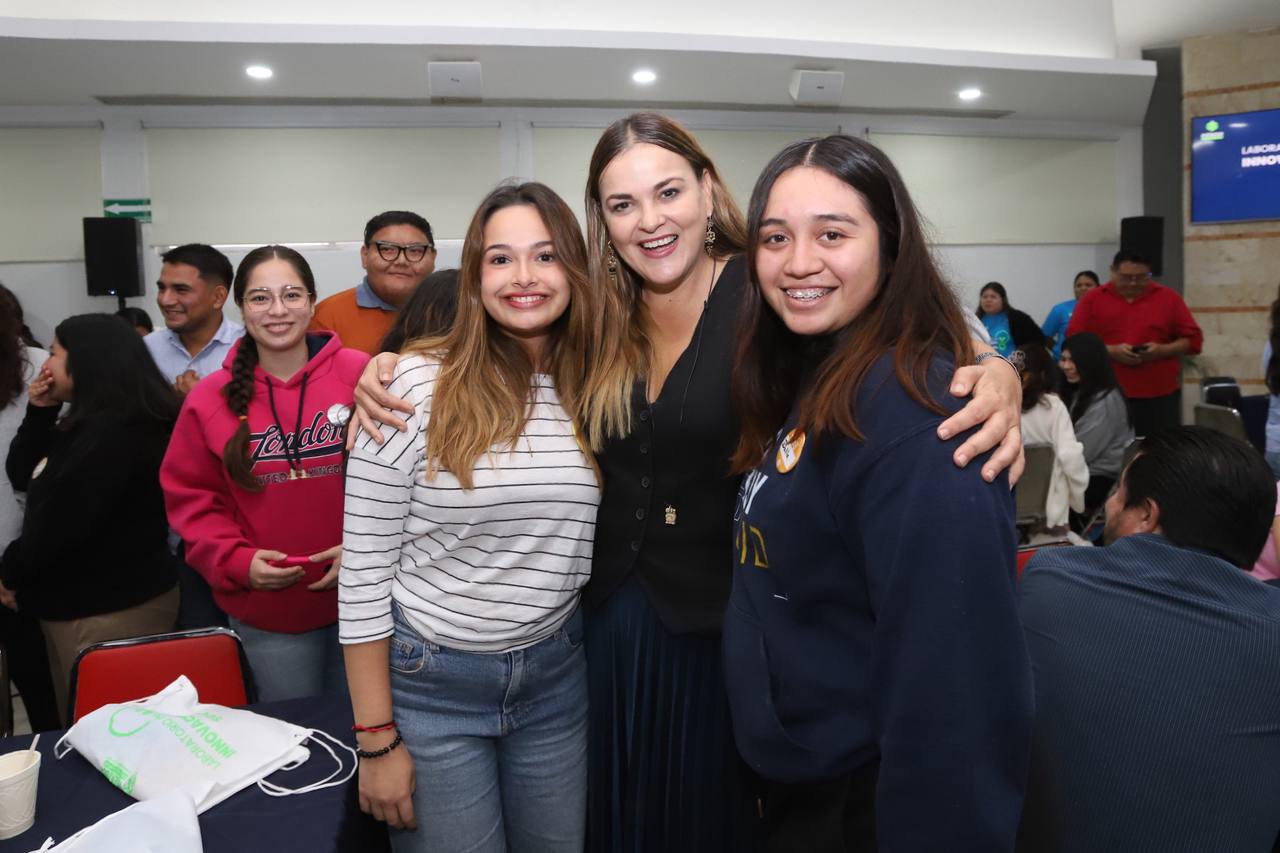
(1145, 235)
(113, 256)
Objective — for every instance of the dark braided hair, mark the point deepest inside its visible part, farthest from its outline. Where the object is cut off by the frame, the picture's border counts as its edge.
(239, 391)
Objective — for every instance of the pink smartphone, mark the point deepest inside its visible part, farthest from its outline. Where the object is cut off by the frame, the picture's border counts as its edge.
(289, 562)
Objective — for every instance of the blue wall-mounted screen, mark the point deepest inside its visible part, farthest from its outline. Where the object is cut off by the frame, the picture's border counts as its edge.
(1235, 167)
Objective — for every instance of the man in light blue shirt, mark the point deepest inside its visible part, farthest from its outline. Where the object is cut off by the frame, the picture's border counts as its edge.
(1055, 325)
(194, 282)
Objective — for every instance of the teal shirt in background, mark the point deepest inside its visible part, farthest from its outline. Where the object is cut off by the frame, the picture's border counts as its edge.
(998, 327)
(1055, 325)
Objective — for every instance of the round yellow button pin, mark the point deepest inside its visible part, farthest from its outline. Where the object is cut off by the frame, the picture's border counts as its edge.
(789, 451)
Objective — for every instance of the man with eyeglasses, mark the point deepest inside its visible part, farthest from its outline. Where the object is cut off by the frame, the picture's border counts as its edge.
(1147, 329)
(398, 253)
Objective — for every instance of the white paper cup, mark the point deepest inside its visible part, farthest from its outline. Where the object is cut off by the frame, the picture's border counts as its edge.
(19, 772)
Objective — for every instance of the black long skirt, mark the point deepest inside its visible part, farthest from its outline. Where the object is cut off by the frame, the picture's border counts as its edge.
(665, 776)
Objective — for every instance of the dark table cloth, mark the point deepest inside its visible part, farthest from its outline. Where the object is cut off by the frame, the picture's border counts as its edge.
(73, 795)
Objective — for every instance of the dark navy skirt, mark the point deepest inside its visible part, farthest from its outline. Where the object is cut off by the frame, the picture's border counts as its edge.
(664, 774)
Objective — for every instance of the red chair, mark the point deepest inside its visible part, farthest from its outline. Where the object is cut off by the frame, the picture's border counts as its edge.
(1026, 552)
(1024, 555)
(137, 667)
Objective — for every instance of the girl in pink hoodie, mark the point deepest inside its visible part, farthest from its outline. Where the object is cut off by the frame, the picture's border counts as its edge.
(253, 478)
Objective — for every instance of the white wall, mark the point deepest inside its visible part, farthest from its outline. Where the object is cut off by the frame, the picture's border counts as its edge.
(552, 144)
(49, 179)
(1081, 28)
(1036, 277)
(52, 291)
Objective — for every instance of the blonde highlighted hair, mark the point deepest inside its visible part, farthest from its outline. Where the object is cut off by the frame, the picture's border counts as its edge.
(482, 396)
(625, 357)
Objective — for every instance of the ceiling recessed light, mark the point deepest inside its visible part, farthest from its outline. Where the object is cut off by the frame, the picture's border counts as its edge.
(259, 72)
(644, 76)
(970, 94)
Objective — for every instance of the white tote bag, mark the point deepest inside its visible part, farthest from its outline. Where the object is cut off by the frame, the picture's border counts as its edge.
(170, 741)
(164, 825)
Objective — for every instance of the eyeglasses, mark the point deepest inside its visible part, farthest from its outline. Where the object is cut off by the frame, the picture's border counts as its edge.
(1136, 278)
(413, 252)
(260, 300)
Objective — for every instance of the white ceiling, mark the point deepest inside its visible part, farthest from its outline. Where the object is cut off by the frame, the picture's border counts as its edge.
(75, 72)
(334, 52)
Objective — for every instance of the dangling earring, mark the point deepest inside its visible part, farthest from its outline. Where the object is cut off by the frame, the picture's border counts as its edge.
(710, 240)
(611, 263)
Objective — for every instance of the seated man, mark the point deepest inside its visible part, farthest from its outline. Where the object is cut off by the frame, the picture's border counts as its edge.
(398, 254)
(1157, 663)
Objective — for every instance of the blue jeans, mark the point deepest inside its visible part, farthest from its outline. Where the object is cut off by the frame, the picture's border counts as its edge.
(290, 666)
(499, 744)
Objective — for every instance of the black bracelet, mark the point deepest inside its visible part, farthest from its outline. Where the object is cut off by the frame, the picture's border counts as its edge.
(378, 753)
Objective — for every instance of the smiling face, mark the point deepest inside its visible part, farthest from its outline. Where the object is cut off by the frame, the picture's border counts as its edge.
(818, 259)
(188, 302)
(991, 302)
(395, 281)
(277, 307)
(523, 285)
(655, 209)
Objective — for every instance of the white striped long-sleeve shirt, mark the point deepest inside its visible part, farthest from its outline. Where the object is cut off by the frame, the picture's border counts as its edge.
(489, 569)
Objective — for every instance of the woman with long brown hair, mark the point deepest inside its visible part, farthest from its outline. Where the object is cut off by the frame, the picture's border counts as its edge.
(874, 659)
(468, 539)
(253, 478)
(664, 239)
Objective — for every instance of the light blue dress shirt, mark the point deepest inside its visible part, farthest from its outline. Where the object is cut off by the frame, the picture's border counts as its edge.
(367, 298)
(173, 359)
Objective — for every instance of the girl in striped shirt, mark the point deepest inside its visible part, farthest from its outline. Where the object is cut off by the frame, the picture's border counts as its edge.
(467, 539)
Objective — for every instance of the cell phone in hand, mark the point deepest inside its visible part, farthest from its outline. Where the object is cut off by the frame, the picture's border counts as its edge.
(290, 562)
(1142, 347)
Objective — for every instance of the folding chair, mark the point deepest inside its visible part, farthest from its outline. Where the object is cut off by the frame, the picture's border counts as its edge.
(124, 670)
(1026, 552)
(1222, 418)
(1220, 391)
(1033, 488)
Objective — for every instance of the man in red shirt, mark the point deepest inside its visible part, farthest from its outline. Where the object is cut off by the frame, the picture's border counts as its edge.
(1147, 329)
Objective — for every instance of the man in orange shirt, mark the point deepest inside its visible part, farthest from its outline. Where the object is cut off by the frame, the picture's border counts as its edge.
(398, 253)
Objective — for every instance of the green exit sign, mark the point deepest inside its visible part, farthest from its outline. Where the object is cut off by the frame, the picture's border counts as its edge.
(127, 208)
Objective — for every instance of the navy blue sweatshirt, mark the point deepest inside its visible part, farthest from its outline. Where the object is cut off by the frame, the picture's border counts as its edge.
(873, 618)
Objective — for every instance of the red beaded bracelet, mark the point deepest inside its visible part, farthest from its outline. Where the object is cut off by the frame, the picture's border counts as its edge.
(385, 727)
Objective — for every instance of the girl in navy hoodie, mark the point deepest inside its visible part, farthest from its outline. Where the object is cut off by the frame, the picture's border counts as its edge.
(253, 477)
(875, 664)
